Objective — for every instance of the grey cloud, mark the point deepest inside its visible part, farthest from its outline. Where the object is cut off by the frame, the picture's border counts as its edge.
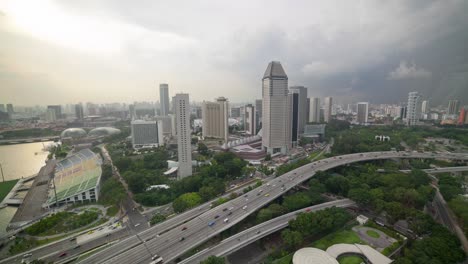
(408, 71)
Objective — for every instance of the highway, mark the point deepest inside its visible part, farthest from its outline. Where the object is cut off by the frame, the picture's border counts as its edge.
(252, 234)
(176, 242)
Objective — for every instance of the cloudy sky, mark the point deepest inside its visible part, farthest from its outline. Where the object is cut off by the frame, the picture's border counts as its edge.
(119, 51)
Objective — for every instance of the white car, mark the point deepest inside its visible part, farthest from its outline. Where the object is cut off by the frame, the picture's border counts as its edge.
(226, 220)
(245, 207)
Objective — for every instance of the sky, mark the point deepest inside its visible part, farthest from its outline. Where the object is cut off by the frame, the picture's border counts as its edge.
(57, 52)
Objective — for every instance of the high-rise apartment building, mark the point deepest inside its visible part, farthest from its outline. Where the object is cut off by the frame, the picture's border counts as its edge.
(413, 108)
(164, 99)
(362, 112)
(425, 107)
(215, 118)
(453, 107)
(327, 112)
(184, 145)
(57, 109)
(301, 93)
(10, 109)
(314, 110)
(166, 124)
(250, 120)
(146, 134)
(462, 116)
(276, 110)
(79, 114)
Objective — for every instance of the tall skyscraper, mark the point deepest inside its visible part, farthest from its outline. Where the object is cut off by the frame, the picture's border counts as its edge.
(250, 120)
(184, 145)
(10, 109)
(276, 109)
(2, 108)
(57, 109)
(327, 112)
(425, 107)
(413, 108)
(301, 93)
(453, 107)
(462, 116)
(314, 114)
(362, 112)
(215, 118)
(146, 134)
(79, 114)
(164, 99)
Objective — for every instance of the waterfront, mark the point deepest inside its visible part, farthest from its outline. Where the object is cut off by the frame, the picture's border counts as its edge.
(20, 160)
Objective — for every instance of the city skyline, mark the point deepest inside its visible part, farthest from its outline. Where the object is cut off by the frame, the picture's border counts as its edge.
(324, 53)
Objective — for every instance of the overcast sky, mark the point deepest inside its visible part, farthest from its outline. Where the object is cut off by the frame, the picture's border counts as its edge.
(119, 51)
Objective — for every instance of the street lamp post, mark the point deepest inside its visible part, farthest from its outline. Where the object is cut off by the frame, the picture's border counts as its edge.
(1, 169)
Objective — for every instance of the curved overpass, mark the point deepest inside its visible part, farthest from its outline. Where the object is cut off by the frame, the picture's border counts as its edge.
(170, 245)
(242, 239)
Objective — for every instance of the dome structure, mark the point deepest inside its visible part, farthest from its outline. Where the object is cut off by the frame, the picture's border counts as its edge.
(312, 256)
(104, 131)
(73, 133)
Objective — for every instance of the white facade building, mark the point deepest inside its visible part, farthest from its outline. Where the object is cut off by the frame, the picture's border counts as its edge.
(166, 124)
(184, 145)
(314, 114)
(425, 107)
(250, 120)
(413, 108)
(164, 99)
(276, 119)
(215, 116)
(327, 111)
(362, 112)
(147, 134)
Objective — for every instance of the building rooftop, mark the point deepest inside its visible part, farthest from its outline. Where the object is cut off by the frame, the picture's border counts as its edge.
(312, 256)
(275, 70)
(76, 174)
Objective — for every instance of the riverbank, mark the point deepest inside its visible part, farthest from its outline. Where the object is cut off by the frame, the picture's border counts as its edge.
(5, 188)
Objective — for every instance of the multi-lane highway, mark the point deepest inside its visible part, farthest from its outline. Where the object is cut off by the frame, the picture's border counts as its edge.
(254, 233)
(177, 241)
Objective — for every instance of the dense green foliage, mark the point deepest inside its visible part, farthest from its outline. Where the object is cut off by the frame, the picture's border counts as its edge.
(61, 222)
(362, 139)
(292, 239)
(59, 151)
(157, 218)
(186, 201)
(213, 260)
(29, 133)
(270, 212)
(459, 206)
(22, 244)
(449, 186)
(314, 223)
(112, 192)
(5, 188)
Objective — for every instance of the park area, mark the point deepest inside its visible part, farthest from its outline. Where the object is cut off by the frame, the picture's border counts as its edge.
(5, 188)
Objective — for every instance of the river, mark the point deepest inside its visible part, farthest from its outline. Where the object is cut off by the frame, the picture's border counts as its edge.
(20, 160)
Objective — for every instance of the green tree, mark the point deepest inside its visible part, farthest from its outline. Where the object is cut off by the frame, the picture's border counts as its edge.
(292, 239)
(203, 149)
(297, 201)
(213, 260)
(157, 218)
(186, 201)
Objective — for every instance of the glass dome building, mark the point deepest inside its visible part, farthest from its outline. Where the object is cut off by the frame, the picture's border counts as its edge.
(103, 131)
(73, 133)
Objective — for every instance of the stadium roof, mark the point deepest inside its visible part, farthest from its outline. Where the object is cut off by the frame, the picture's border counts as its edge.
(312, 256)
(76, 174)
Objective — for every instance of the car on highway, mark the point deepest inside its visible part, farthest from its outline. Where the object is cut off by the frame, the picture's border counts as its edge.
(63, 254)
(245, 207)
(156, 260)
(77, 246)
(230, 208)
(182, 239)
(258, 232)
(307, 210)
(216, 217)
(226, 220)
(137, 224)
(184, 228)
(246, 195)
(90, 232)
(225, 209)
(266, 195)
(27, 255)
(230, 213)
(212, 223)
